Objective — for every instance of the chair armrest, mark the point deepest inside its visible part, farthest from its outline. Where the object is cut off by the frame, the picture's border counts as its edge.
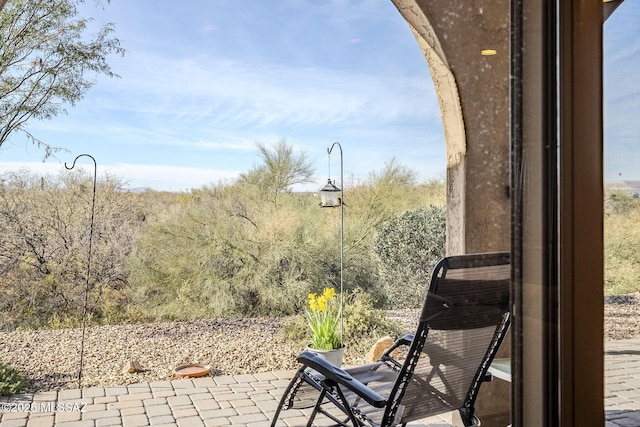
(339, 376)
(407, 339)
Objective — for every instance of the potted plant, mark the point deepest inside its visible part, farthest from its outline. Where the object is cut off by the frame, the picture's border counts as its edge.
(323, 316)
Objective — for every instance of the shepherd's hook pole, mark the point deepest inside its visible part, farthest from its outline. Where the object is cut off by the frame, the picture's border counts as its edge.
(86, 289)
(341, 235)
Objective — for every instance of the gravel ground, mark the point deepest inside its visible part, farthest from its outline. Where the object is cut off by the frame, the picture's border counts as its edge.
(50, 358)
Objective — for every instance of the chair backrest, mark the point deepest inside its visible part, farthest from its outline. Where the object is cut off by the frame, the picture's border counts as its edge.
(463, 320)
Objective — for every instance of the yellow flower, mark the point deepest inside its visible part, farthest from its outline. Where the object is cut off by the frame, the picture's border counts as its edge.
(313, 302)
(329, 293)
(322, 303)
(323, 316)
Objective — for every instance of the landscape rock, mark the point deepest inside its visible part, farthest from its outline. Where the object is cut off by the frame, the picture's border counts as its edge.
(379, 348)
(131, 367)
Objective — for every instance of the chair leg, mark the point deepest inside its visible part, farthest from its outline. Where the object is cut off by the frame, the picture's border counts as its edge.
(277, 414)
(316, 408)
(344, 407)
(467, 418)
(297, 381)
(352, 417)
(294, 382)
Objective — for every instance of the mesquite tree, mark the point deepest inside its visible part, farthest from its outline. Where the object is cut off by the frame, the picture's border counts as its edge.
(47, 61)
(281, 168)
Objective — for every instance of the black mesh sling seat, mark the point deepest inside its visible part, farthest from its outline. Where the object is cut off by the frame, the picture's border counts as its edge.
(463, 321)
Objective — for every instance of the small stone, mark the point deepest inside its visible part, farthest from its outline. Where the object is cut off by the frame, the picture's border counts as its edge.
(379, 348)
(132, 367)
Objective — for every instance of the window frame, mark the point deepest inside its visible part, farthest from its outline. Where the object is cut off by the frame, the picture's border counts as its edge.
(557, 213)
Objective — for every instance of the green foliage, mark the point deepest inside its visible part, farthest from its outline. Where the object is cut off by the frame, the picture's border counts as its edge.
(323, 317)
(12, 381)
(406, 248)
(226, 250)
(280, 169)
(296, 329)
(387, 193)
(48, 61)
(363, 324)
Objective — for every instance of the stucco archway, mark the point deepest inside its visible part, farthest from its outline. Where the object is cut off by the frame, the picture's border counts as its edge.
(473, 94)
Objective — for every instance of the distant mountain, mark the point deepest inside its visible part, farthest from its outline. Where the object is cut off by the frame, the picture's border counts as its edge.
(629, 187)
(135, 190)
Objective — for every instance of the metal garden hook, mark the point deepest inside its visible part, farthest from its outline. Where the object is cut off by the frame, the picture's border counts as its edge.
(86, 290)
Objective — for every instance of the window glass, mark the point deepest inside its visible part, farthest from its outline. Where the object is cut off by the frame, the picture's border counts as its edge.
(622, 210)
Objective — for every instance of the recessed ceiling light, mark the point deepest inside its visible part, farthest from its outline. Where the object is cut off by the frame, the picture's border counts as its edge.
(488, 52)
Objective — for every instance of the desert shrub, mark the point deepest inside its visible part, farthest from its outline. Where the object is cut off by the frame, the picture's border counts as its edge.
(369, 206)
(619, 202)
(296, 329)
(44, 246)
(229, 252)
(621, 243)
(406, 248)
(235, 249)
(364, 324)
(244, 248)
(12, 381)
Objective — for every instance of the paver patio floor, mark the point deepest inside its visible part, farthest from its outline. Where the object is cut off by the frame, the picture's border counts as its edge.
(251, 400)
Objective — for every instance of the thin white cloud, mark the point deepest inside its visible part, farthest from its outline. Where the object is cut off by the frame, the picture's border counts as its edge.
(211, 28)
(39, 168)
(243, 145)
(240, 93)
(170, 177)
(206, 103)
(159, 177)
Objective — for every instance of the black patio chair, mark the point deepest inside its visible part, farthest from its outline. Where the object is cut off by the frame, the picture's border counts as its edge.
(463, 322)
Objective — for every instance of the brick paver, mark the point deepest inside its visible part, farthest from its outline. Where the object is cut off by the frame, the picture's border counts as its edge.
(251, 400)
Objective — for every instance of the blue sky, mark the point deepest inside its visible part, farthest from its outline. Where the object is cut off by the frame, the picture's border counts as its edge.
(203, 81)
(622, 93)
